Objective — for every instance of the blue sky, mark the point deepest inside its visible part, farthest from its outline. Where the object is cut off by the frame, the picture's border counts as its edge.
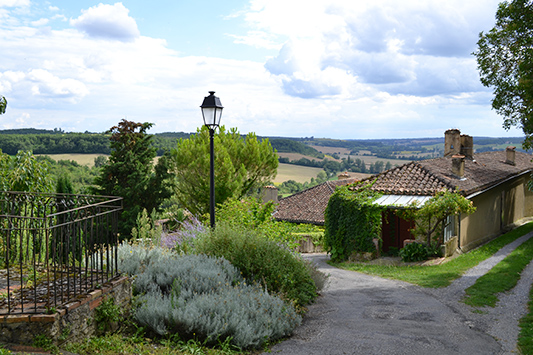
(348, 69)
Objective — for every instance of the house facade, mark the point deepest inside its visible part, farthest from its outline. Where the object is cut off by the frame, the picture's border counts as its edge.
(496, 183)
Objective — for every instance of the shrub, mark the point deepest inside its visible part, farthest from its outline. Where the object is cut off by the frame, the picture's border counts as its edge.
(261, 260)
(414, 252)
(251, 213)
(245, 314)
(182, 240)
(204, 298)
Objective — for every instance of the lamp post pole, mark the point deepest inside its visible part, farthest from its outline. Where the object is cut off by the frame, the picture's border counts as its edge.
(212, 177)
(212, 112)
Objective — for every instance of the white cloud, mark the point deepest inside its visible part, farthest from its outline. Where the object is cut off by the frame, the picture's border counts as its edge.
(14, 3)
(40, 22)
(107, 21)
(345, 69)
(410, 47)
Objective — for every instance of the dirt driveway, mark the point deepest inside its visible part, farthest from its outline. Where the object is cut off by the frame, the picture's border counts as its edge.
(362, 314)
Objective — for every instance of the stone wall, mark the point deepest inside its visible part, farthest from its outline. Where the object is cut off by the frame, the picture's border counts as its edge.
(71, 322)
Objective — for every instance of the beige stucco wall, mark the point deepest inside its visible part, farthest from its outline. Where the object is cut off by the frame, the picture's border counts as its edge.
(497, 208)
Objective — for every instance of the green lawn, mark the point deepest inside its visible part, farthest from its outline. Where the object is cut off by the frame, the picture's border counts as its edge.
(502, 277)
(439, 275)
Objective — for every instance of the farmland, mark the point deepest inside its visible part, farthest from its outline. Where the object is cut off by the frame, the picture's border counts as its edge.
(297, 173)
(82, 159)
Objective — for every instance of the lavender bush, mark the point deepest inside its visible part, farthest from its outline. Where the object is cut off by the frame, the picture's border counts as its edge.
(182, 240)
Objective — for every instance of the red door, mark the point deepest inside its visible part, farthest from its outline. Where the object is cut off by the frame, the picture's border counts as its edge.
(394, 230)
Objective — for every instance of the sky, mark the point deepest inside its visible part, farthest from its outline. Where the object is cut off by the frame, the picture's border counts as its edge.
(343, 69)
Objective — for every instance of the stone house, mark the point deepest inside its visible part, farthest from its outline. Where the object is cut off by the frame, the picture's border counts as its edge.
(496, 183)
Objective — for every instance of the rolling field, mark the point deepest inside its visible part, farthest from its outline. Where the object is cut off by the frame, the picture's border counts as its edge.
(285, 171)
(295, 172)
(82, 159)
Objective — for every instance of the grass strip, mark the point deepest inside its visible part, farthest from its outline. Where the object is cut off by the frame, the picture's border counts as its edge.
(502, 277)
(442, 275)
(525, 338)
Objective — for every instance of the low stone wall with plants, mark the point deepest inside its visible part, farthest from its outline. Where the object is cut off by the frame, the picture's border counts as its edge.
(310, 242)
(74, 321)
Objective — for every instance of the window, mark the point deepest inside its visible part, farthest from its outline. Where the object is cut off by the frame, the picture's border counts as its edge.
(450, 227)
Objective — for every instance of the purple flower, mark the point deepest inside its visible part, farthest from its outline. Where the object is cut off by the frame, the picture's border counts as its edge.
(188, 231)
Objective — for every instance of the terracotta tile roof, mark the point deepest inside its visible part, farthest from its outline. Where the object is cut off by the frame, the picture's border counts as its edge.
(423, 178)
(429, 176)
(308, 206)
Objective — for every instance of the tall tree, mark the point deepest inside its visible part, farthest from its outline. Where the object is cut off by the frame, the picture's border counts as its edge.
(129, 172)
(505, 62)
(3, 105)
(241, 164)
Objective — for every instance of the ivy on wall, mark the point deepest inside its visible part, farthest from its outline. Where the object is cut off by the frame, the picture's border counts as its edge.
(352, 221)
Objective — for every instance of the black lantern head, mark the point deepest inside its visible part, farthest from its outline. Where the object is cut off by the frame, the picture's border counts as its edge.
(212, 110)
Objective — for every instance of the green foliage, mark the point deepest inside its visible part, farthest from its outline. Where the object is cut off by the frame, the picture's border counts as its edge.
(283, 145)
(145, 230)
(3, 105)
(352, 221)
(129, 173)
(290, 187)
(205, 298)
(241, 165)
(251, 213)
(44, 342)
(414, 252)
(100, 161)
(261, 260)
(430, 217)
(434, 250)
(54, 142)
(107, 315)
(505, 63)
(24, 172)
(64, 185)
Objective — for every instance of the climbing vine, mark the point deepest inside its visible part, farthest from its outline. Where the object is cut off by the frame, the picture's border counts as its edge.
(429, 217)
(352, 221)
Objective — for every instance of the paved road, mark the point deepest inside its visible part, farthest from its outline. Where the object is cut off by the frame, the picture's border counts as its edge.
(362, 314)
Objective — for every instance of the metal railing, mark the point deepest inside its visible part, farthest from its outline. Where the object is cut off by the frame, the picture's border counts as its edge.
(54, 248)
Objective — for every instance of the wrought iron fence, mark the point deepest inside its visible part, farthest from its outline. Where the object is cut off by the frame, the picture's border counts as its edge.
(54, 247)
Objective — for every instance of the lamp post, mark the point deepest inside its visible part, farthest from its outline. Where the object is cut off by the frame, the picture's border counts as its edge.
(212, 111)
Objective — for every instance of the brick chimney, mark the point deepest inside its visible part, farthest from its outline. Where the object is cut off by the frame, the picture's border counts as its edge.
(467, 146)
(510, 155)
(270, 193)
(452, 142)
(458, 165)
(343, 176)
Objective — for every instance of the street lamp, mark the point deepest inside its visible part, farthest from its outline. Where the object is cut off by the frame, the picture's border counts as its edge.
(212, 111)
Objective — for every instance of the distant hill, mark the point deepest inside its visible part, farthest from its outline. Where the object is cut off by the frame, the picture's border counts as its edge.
(291, 146)
(57, 141)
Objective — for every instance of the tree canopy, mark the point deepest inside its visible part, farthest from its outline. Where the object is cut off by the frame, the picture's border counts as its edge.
(130, 172)
(241, 164)
(24, 172)
(3, 105)
(505, 63)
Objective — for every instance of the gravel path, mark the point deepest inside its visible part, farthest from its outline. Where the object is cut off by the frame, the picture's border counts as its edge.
(362, 314)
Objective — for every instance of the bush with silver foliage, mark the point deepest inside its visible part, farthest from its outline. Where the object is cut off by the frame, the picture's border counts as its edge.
(203, 297)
